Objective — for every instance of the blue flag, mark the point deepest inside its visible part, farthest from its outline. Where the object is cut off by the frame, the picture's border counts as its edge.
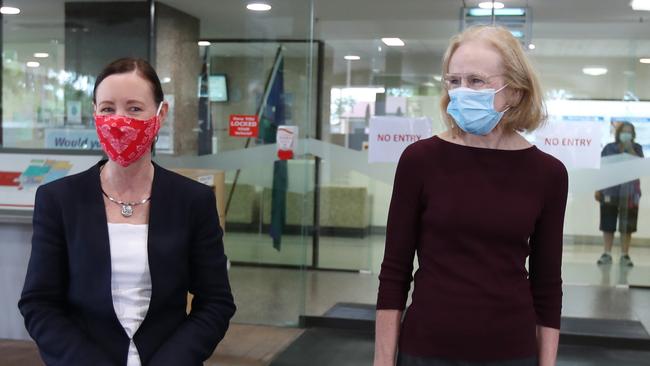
(273, 116)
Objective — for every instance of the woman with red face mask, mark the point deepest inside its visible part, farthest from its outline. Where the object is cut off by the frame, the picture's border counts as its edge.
(116, 248)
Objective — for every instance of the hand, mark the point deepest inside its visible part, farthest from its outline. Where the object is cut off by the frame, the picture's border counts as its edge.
(598, 196)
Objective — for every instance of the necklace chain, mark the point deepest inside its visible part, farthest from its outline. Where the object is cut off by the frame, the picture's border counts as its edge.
(127, 207)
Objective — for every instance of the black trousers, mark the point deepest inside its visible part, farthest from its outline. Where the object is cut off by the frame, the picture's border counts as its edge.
(407, 360)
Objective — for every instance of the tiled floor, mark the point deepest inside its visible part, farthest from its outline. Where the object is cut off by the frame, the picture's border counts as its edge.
(329, 347)
(243, 345)
(366, 254)
(278, 296)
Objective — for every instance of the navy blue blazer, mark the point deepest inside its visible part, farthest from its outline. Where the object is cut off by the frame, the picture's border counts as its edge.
(67, 302)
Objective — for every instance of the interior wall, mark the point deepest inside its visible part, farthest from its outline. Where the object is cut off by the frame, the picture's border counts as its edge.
(178, 65)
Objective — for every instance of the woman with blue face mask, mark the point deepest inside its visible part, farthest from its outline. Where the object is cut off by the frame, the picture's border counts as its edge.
(474, 203)
(622, 201)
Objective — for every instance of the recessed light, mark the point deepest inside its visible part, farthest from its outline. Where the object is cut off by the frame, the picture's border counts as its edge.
(506, 12)
(41, 55)
(352, 58)
(531, 46)
(9, 10)
(644, 60)
(33, 64)
(594, 70)
(640, 5)
(204, 43)
(517, 33)
(258, 7)
(166, 80)
(393, 42)
(490, 5)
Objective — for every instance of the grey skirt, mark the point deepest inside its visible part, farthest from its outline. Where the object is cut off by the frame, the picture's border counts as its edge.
(407, 360)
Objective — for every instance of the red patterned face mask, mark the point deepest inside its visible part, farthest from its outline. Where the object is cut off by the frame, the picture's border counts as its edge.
(126, 139)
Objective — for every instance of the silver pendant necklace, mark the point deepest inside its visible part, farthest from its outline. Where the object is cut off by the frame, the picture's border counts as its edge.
(127, 207)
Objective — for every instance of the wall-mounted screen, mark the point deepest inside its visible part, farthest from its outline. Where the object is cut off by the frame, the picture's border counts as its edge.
(218, 88)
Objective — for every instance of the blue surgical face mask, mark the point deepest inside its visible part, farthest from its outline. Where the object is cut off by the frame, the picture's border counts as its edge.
(473, 110)
(625, 137)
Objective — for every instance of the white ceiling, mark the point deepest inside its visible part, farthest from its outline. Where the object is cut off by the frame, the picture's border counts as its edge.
(560, 28)
(564, 31)
(568, 24)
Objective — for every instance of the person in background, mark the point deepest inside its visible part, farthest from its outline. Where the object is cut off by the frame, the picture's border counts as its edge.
(474, 203)
(117, 248)
(620, 203)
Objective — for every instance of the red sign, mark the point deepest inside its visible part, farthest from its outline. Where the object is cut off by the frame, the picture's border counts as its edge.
(10, 179)
(244, 125)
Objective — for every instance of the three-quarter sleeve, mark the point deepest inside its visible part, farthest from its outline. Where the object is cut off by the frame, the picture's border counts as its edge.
(546, 251)
(402, 233)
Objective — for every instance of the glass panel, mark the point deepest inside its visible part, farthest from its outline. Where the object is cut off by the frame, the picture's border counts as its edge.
(244, 91)
(365, 77)
(51, 55)
(49, 106)
(602, 84)
(52, 50)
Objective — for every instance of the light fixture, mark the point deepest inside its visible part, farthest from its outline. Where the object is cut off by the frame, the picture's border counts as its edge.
(517, 33)
(41, 55)
(258, 7)
(490, 5)
(531, 46)
(9, 10)
(166, 80)
(594, 70)
(352, 58)
(204, 43)
(393, 42)
(640, 5)
(645, 60)
(33, 64)
(478, 12)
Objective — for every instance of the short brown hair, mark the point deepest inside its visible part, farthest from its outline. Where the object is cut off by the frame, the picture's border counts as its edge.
(528, 112)
(131, 64)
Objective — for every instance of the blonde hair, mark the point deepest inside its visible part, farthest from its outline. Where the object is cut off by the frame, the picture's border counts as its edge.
(528, 112)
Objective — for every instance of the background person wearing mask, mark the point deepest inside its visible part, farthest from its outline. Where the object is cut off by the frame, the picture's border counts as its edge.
(116, 248)
(620, 202)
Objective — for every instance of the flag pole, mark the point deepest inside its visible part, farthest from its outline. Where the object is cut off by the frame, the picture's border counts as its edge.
(267, 91)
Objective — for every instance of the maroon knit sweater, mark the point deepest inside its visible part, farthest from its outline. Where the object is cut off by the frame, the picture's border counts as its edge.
(473, 215)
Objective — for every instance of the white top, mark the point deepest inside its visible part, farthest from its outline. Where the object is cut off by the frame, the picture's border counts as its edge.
(130, 279)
